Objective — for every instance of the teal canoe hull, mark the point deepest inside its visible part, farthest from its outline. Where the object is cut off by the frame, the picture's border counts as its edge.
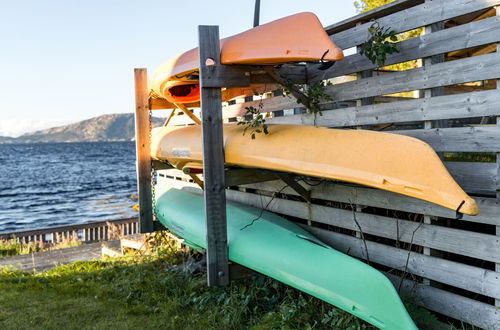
(278, 248)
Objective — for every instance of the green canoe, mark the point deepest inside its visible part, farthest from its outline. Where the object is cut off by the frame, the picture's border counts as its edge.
(278, 248)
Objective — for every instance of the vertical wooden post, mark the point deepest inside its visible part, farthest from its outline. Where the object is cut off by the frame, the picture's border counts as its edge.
(142, 149)
(427, 93)
(497, 265)
(213, 159)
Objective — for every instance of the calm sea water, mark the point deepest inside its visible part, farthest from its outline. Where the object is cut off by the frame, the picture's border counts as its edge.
(51, 184)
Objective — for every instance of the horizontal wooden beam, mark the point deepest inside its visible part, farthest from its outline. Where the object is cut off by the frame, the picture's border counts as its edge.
(160, 104)
(448, 73)
(234, 177)
(245, 75)
(459, 139)
(467, 105)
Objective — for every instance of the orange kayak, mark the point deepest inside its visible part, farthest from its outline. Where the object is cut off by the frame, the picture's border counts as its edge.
(296, 38)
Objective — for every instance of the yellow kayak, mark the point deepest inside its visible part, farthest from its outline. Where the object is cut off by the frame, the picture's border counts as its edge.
(296, 38)
(391, 162)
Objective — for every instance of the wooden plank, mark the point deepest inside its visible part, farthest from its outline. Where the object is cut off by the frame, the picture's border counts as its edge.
(448, 73)
(160, 104)
(458, 307)
(41, 261)
(475, 104)
(234, 177)
(460, 37)
(489, 207)
(470, 278)
(412, 18)
(142, 150)
(381, 11)
(497, 175)
(459, 139)
(58, 229)
(269, 105)
(225, 76)
(475, 245)
(213, 160)
(474, 178)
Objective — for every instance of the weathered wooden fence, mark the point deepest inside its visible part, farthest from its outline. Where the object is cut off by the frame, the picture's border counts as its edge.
(85, 232)
(450, 98)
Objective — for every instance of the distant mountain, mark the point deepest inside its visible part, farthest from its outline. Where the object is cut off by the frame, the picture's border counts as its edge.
(113, 127)
(6, 139)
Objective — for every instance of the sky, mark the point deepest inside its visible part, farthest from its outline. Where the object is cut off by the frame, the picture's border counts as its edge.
(66, 60)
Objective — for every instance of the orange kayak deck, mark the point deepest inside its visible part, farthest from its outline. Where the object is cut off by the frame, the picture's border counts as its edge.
(391, 162)
(296, 38)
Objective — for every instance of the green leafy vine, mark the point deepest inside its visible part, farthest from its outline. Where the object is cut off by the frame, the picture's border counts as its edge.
(310, 95)
(257, 124)
(380, 44)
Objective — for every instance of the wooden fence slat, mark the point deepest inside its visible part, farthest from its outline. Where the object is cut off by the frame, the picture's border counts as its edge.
(371, 197)
(55, 230)
(456, 38)
(375, 13)
(450, 304)
(475, 178)
(470, 278)
(269, 105)
(448, 73)
(476, 245)
(474, 104)
(412, 18)
(459, 139)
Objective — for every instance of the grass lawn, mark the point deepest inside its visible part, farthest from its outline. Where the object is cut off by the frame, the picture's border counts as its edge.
(138, 292)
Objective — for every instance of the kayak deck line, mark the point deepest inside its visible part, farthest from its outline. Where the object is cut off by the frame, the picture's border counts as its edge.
(386, 161)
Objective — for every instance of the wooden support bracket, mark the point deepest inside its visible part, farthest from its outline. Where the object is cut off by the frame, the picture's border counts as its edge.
(188, 113)
(293, 90)
(288, 179)
(235, 177)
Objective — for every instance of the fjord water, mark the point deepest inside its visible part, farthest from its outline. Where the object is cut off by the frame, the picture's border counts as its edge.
(52, 184)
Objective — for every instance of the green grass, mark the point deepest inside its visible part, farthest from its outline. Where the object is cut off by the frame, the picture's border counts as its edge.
(153, 293)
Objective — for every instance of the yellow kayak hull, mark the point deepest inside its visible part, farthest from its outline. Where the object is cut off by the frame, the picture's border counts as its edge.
(296, 38)
(391, 162)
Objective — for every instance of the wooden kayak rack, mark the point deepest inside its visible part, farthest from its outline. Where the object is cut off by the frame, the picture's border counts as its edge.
(449, 99)
(213, 76)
